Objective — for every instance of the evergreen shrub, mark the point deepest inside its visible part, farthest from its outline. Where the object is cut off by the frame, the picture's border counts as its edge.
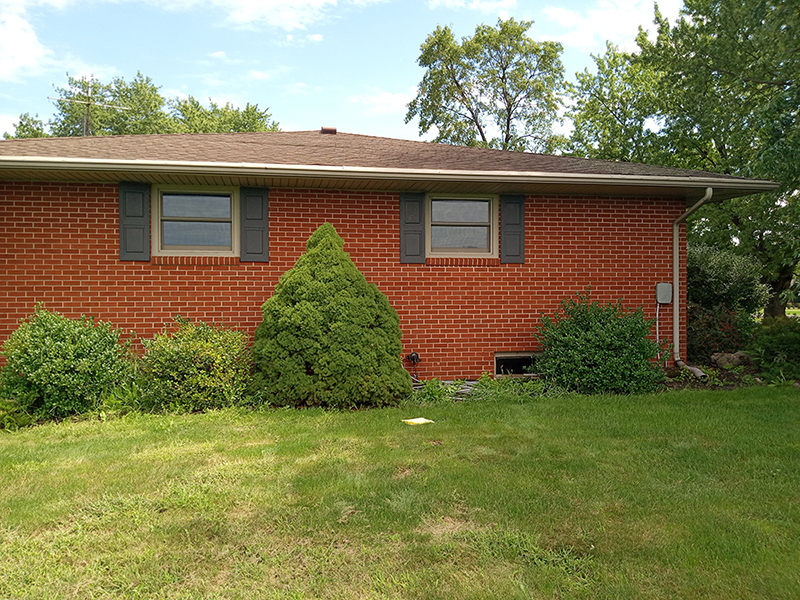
(194, 366)
(594, 348)
(776, 349)
(57, 367)
(328, 337)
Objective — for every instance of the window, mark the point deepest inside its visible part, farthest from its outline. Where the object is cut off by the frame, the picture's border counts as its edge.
(514, 363)
(201, 221)
(462, 226)
(193, 221)
(459, 226)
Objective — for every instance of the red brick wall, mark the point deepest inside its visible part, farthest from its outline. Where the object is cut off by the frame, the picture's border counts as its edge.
(60, 247)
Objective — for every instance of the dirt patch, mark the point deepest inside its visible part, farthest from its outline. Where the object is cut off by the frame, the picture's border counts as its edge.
(716, 378)
(446, 526)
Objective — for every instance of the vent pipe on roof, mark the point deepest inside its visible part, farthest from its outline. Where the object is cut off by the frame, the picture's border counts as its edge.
(676, 282)
(328, 130)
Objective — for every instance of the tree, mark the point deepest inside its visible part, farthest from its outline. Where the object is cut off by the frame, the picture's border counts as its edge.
(497, 89)
(90, 107)
(730, 80)
(189, 116)
(614, 111)
(725, 82)
(328, 337)
(28, 127)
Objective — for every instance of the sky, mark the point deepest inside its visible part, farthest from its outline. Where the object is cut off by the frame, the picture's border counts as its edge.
(349, 64)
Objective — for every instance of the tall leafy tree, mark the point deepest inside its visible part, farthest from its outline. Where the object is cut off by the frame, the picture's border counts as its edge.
(725, 99)
(496, 89)
(189, 116)
(28, 127)
(615, 110)
(90, 107)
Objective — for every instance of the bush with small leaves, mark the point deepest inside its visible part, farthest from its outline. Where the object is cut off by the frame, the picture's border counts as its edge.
(723, 291)
(712, 329)
(57, 367)
(594, 348)
(776, 349)
(194, 366)
(328, 337)
(717, 277)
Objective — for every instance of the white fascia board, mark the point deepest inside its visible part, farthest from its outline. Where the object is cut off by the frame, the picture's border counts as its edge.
(348, 172)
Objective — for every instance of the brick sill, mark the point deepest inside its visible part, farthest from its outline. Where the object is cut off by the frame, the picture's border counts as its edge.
(194, 260)
(462, 262)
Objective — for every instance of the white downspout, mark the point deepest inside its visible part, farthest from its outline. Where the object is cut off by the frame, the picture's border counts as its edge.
(676, 280)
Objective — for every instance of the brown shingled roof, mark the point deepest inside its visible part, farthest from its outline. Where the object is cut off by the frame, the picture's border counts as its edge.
(341, 150)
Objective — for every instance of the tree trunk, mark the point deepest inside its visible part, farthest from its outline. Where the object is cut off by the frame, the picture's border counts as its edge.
(775, 306)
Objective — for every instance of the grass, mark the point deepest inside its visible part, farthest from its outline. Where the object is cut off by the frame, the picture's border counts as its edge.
(690, 494)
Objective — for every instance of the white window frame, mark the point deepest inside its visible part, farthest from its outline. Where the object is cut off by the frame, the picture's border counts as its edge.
(494, 227)
(156, 230)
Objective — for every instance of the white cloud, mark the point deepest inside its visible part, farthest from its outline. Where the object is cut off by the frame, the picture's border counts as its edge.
(21, 52)
(614, 20)
(486, 6)
(220, 54)
(271, 73)
(384, 103)
(316, 37)
(300, 88)
(284, 14)
(7, 123)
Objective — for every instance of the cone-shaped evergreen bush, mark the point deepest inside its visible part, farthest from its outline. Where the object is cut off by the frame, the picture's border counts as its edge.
(328, 337)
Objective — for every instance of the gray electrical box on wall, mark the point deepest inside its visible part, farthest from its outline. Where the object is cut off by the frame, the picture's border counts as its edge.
(663, 293)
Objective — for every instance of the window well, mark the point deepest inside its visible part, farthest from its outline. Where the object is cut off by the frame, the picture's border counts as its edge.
(514, 363)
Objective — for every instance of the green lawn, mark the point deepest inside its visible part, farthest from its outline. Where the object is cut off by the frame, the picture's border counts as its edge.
(690, 494)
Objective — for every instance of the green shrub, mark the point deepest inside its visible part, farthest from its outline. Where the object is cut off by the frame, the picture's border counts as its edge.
(717, 277)
(723, 291)
(592, 348)
(194, 366)
(715, 329)
(328, 337)
(58, 367)
(776, 349)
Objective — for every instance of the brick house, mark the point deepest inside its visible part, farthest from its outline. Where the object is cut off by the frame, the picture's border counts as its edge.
(470, 245)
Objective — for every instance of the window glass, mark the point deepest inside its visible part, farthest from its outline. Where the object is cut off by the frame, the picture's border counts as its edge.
(196, 221)
(461, 225)
(447, 236)
(194, 233)
(199, 206)
(460, 211)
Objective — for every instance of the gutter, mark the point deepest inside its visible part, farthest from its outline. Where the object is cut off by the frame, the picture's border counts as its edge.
(744, 186)
(676, 280)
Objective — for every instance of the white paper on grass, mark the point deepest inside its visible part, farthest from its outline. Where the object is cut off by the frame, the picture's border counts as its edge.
(417, 421)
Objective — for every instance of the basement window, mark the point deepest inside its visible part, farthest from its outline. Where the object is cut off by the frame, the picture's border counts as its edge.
(514, 363)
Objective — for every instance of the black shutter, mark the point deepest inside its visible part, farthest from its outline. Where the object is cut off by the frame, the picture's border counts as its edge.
(412, 228)
(254, 214)
(134, 221)
(512, 229)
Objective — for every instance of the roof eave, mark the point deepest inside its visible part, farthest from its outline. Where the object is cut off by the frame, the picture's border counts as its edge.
(739, 186)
